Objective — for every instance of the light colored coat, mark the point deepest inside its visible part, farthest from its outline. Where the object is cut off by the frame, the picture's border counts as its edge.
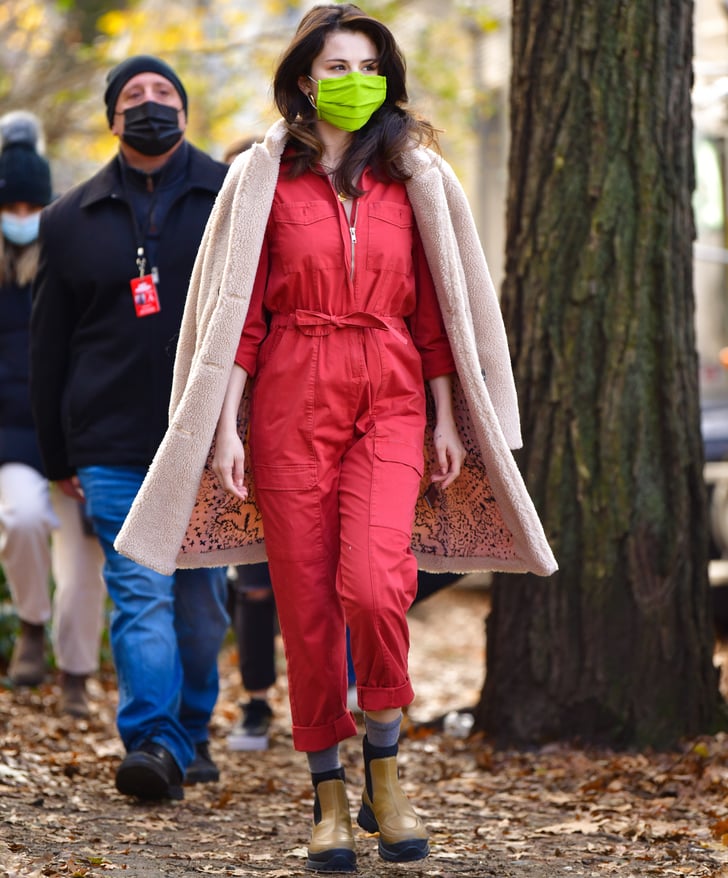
(484, 521)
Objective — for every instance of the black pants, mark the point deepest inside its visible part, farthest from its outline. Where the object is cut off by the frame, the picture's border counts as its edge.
(255, 626)
(430, 583)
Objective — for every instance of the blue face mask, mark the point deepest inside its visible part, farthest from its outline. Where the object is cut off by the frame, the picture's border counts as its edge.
(20, 230)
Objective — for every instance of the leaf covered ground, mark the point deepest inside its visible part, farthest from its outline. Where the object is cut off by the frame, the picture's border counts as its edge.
(555, 811)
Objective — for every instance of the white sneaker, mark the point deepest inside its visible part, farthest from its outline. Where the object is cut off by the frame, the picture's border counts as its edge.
(253, 730)
(351, 701)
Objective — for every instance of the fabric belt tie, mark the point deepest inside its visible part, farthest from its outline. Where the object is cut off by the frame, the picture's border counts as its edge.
(318, 323)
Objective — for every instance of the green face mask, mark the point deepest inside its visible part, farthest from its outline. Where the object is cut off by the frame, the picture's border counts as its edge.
(347, 102)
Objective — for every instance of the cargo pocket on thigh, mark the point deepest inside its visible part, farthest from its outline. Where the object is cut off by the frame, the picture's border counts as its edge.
(289, 503)
(398, 469)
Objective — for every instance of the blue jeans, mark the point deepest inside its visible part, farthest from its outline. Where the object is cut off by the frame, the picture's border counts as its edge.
(166, 631)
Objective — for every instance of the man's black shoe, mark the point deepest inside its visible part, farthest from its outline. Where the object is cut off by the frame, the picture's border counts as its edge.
(202, 769)
(150, 772)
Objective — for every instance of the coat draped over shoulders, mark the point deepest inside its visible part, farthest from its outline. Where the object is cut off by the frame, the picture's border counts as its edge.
(484, 521)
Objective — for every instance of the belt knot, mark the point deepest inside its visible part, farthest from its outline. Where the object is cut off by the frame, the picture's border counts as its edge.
(318, 323)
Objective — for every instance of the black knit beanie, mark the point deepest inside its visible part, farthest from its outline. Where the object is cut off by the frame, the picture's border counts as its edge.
(118, 77)
(25, 175)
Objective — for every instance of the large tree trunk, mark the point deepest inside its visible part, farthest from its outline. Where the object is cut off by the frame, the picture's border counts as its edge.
(617, 646)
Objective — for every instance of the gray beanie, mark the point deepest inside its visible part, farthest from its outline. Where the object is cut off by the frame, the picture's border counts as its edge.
(25, 175)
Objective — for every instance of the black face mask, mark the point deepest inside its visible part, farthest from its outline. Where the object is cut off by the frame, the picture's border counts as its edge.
(151, 128)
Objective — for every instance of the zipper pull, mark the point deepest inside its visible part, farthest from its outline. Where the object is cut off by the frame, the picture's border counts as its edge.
(352, 231)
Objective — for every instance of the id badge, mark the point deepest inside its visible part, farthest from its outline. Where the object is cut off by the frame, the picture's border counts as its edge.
(144, 293)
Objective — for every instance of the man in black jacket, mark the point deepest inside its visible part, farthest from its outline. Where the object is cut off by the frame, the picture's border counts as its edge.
(116, 255)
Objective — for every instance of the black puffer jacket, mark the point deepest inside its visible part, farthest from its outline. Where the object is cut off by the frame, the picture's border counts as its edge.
(100, 375)
(17, 434)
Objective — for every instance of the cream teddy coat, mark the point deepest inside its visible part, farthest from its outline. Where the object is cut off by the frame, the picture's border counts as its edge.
(484, 521)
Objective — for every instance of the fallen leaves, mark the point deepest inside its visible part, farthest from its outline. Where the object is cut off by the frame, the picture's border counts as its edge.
(554, 812)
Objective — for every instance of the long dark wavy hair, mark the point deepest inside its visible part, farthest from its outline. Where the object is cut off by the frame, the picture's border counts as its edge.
(391, 130)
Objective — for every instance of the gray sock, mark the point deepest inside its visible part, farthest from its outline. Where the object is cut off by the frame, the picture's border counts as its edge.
(323, 761)
(383, 735)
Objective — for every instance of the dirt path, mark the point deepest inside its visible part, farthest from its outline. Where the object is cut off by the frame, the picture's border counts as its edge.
(551, 812)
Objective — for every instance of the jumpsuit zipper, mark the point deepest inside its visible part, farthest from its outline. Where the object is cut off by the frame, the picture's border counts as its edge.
(351, 222)
(352, 232)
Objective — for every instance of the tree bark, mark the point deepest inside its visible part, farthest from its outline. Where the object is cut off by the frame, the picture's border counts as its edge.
(617, 646)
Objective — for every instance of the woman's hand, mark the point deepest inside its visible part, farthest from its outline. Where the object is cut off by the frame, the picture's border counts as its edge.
(228, 462)
(448, 447)
(450, 452)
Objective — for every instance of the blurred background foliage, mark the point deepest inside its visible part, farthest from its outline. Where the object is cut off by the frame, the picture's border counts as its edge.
(54, 57)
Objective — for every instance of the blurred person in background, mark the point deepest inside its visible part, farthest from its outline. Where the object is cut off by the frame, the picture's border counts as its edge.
(253, 615)
(40, 529)
(116, 256)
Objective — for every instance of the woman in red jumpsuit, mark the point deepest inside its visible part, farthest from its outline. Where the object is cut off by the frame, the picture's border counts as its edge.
(342, 334)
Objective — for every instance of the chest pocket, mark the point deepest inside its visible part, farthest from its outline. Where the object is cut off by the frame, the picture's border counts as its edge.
(305, 236)
(390, 237)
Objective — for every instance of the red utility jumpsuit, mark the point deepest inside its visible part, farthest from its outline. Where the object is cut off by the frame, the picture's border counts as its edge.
(342, 332)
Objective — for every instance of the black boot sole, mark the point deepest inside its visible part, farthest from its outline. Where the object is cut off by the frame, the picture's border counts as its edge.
(201, 775)
(335, 860)
(406, 851)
